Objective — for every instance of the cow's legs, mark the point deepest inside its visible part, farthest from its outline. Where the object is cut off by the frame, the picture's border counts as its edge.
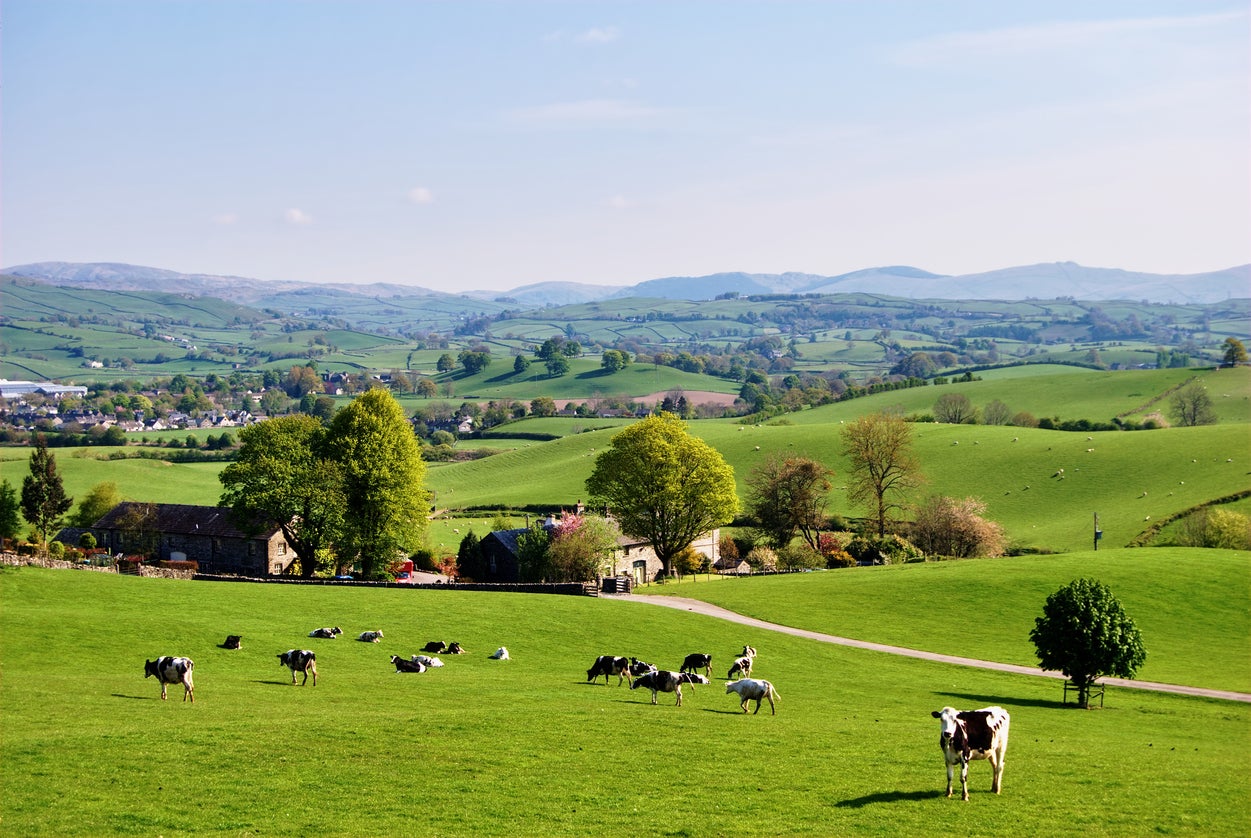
(996, 765)
(964, 779)
(679, 693)
(949, 778)
(757, 705)
(162, 691)
(188, 692)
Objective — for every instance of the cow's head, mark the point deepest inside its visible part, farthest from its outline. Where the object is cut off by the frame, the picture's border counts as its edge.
(149, 668)
(949, 718)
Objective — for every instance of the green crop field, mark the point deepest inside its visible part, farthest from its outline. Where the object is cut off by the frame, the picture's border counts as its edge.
(528, 747)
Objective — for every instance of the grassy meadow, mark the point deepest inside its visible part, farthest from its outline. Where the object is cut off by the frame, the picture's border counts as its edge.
(527, 747)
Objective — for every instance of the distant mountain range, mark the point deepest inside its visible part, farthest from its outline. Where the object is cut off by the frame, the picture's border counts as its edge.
(1044, 281)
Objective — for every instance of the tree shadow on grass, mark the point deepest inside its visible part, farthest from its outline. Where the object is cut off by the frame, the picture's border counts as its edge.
(888, 797)
(1008, 701)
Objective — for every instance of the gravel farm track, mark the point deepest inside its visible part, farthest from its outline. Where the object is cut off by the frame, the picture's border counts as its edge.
(707, 609)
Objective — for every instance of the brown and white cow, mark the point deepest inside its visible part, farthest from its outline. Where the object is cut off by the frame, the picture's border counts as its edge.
(973, 734)
(607, 665)
(741, 666)
(667, 681)
(171, 670)
(299, 660)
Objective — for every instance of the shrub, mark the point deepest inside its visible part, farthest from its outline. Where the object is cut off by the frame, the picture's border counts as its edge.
(56, 550)
(950, 527)
(799, 556)
(762, 558)
(881, 550)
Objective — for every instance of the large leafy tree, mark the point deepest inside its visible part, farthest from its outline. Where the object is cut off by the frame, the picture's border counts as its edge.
(283, 476)
(387, 505)
(786, 495)
(1085, 633)
(43, 494)
(94, 505)
(1235, 353)
(664, 485)
(883, 466)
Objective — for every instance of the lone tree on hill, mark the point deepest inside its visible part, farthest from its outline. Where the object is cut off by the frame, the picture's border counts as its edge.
(883, 466)
(663, 484)
(1235, 353)
(1191, 406)
(1085, 633)
(43, 494)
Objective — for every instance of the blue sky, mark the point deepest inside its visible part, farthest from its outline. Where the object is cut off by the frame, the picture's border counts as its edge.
(487, 145)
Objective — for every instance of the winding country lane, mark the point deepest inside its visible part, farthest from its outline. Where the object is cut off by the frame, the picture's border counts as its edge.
(707, 609)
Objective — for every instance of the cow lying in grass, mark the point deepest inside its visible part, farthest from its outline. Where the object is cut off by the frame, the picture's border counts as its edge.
(326, 633)
(369, 636)
(970, 735)
(427, 661)
(749, 689)
(171, 670)
(667, 681)
(402, 665)
(500, 654)
(607, 665)
(299, 660)
(233, 641)
(638, 667)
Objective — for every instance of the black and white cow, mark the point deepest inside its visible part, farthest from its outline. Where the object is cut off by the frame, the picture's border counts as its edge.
(233, 641)
(666, 681)
(751, 689)
(607, 665)
(326, 633)
(454, 648)
(427, 661)
(742, 666)
(748, 652)
(369, 636)
(435, 647)
(299, 660)
(973, 734)
(638, 667)
(696, 662)
(402, 665)
(171, 670)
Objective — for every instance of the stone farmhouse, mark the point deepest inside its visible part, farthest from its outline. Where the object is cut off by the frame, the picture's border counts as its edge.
(635, 557)
(202, 534)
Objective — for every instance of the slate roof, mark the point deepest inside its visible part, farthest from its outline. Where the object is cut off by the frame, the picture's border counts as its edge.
(185, 519)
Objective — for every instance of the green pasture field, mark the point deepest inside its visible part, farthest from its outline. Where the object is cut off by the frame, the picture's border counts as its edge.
(528, 747)
(154, 481)
(1191, 606)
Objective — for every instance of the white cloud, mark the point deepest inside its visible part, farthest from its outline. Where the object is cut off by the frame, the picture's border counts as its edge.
(598, 35)
(619, 202)
(225, 219)
(298, 216)
(587, 110)
(420, 195)
(1017, 40)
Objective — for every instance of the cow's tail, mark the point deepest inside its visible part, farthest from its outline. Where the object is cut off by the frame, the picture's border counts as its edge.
(773, 691)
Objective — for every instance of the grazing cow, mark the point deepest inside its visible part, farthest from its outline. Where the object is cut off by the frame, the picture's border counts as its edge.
(742, 666)
(638, 667)
(607, 665)
(326, 633)
(299, 660)
(500, 654)
(402, 665)
(970, 735)
(369, 636)
(748, 652)
(454, 648)
(749, 689)
(170, 670)
(233, 641)
(666, 681)
(428, 662)
(696, 662)
(435, 647)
